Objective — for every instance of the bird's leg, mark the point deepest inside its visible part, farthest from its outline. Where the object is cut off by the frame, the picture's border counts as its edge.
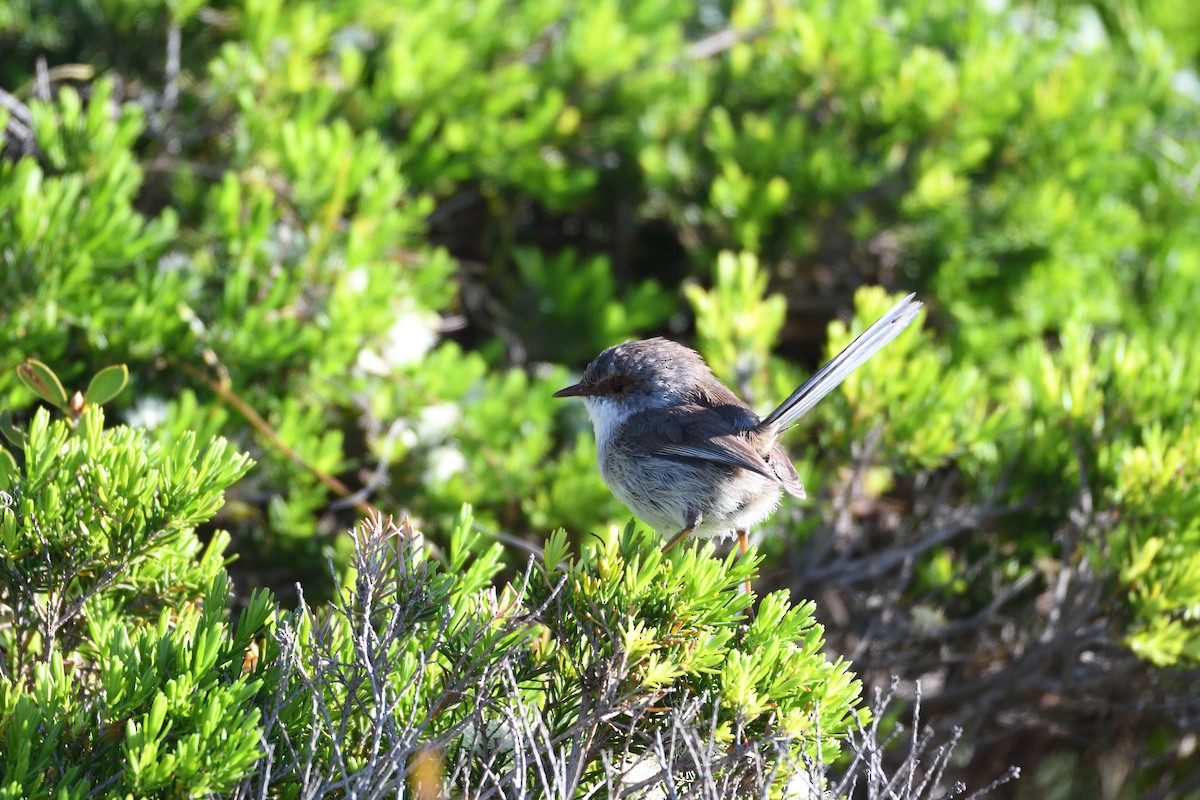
(677, 538)
(692, 518)
(743, 546)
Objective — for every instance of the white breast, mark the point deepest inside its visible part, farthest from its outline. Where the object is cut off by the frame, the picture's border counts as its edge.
(606, 418)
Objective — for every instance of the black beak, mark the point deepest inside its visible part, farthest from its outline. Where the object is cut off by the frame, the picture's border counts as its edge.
(578, 390)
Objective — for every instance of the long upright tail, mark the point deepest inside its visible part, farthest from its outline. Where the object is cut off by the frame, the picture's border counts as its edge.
(830, 376)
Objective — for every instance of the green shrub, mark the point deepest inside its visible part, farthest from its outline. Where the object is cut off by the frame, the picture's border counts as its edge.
(120, 673)
(365, 243)
(122, 676)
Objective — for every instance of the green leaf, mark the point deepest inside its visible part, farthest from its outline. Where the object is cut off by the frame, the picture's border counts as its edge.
(554, 552)
(10, 431)
(8, 468)
(42, 381)
(107, 384)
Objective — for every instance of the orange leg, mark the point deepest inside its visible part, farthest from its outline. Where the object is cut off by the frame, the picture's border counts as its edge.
(677, 538)
(743, 546)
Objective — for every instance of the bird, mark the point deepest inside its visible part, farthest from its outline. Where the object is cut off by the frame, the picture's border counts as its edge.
(684, 453)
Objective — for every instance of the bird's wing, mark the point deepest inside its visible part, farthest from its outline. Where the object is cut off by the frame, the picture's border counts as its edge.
(727, 450)
(697, 432)
(785, 472)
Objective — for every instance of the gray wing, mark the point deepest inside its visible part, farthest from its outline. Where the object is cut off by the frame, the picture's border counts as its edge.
(698, 432)
(785, 472)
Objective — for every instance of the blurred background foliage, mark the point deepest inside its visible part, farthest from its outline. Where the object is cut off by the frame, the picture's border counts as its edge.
(365, 241)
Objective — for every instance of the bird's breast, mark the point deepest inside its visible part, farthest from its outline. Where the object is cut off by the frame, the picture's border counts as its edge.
(607, 419)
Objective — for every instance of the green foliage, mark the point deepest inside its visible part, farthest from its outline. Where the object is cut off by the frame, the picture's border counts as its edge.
(279, 231)
(106, 384)
(100, 517)
(677, 624)
(567, 292)
(73, 231)
(114, 640)
(737, 324)
(1156, 544)
(42, 381)
(185, 696)
(582, 663)
(168, 708)
(115, 643)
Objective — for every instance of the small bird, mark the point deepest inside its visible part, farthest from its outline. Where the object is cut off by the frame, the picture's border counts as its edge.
(683, 452)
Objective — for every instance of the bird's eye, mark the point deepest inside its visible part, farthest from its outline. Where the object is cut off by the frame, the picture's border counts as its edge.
(618, 386)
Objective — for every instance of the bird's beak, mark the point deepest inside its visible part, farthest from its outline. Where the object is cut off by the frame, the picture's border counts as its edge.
(578, 390)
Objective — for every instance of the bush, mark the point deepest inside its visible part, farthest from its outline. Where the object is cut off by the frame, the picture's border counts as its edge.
(120, 673)
(116, 646)
(364, 244)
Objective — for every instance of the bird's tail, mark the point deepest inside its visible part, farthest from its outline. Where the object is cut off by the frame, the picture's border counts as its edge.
(830, 376)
